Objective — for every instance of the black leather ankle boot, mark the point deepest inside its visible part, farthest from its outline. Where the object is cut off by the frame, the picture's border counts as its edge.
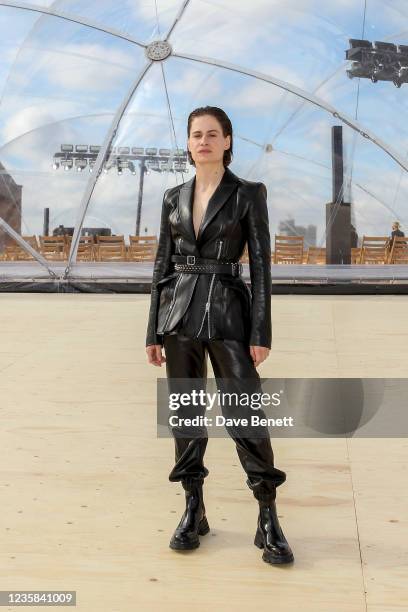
(270, 537)
(193, 522)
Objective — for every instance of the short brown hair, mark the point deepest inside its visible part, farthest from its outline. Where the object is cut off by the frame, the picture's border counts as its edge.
(225, 123)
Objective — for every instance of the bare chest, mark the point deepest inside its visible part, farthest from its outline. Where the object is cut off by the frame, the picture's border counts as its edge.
(200, 203)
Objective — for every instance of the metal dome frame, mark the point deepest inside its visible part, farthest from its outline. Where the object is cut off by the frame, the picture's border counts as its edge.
(111, 133)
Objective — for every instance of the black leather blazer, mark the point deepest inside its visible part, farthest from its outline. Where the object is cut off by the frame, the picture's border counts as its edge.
(209, 306)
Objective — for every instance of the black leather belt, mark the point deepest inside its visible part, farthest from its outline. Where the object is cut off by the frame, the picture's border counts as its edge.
(203, 265)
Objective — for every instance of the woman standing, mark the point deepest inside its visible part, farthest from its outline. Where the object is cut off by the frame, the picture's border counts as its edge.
(200, 305)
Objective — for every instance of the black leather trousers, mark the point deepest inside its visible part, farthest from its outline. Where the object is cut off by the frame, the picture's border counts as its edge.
(230, 359)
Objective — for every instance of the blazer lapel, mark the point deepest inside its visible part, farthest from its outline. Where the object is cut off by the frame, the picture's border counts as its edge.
(215, 203)
(184, 208)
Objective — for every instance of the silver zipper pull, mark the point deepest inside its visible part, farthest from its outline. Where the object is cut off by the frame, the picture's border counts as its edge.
(208, 303)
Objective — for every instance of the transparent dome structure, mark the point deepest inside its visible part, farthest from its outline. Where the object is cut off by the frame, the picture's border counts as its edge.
(95, 98)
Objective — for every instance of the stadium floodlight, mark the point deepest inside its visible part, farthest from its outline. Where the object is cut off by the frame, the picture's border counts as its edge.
(80, 164)
(385, 46)
(165, 152)
(94, 148)
(355, 53)
(403, 49)
(151, 151)
(124, 150)
(137, 151)
(166, 166)
(402, 60)
(67, 164)
(67, 148)
(108, 165)
(152, 164)
(122, 163)
(81, 148)
(357, 43)
(55, 165)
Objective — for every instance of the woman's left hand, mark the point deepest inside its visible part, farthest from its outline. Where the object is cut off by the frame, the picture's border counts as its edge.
(259, 354)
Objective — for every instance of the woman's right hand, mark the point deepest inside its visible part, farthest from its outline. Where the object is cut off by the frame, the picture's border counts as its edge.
(155, 355)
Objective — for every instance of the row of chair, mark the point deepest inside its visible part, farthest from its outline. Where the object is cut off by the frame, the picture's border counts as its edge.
(90, 248)
(288, 250)
(291, 250)
(373, 250)
(381, 250)
(141, 248)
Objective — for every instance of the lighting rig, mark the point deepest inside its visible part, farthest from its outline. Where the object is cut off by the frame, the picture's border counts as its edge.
(123, 158)
(378, 61)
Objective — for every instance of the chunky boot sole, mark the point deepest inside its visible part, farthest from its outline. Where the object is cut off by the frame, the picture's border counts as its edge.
(203, 529)
(268, 556)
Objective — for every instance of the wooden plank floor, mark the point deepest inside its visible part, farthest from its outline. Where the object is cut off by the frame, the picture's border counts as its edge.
(86, 501)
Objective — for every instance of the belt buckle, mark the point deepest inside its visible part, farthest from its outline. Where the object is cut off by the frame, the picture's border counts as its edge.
(189, 258)
(236, 271)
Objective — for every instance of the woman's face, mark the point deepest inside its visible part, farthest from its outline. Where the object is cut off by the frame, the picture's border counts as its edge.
(207, 142)
(394, 226)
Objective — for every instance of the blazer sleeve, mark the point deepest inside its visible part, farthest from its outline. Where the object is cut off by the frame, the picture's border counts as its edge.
(160, 269)
(259, 251)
